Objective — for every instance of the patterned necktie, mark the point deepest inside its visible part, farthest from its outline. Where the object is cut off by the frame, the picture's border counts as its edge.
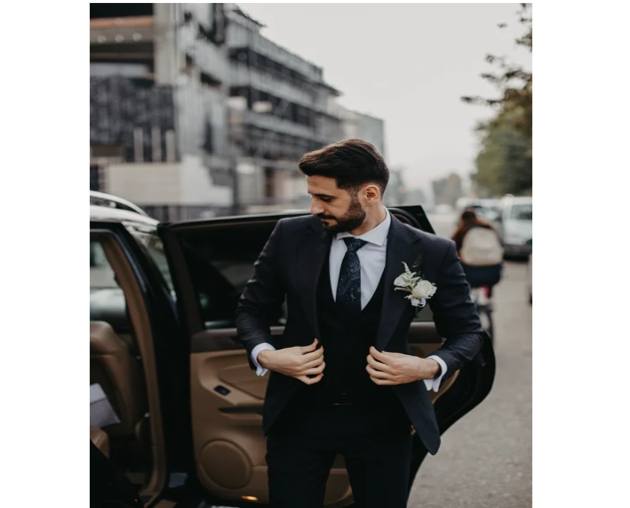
(349, 284)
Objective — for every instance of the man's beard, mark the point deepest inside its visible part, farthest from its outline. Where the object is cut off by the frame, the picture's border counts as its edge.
(352, 219)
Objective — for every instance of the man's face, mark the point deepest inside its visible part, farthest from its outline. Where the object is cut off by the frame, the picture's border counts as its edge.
(338, 209)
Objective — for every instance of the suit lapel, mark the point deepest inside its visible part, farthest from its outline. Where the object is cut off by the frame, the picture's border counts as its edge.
(310, 260)
(401, 247)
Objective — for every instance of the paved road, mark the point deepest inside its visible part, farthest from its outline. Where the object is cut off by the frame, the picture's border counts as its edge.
(485, 459)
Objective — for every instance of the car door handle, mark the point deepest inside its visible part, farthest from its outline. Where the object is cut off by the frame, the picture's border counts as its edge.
(222, 390)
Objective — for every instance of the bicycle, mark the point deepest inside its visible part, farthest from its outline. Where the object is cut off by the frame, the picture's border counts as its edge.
(483, 301)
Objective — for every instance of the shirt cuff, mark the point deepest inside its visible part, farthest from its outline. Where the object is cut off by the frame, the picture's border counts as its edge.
(434, 384)
(260, 370)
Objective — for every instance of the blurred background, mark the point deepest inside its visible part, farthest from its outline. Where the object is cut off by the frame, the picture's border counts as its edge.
(200, 110)
(203, 110)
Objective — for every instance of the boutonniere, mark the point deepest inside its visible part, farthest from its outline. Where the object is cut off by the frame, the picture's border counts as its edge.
(420, 290)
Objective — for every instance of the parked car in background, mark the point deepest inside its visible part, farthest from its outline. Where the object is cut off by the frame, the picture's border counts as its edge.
(486, 208)
(515, 226)
(177, 411)
(490, 209)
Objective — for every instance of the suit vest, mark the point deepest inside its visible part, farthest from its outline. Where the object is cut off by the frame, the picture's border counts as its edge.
(346, 339)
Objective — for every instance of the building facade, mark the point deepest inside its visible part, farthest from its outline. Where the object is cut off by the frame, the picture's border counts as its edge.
(158, 107)
(279, 109)
(363, 126)
(447, 190)
(196, 92)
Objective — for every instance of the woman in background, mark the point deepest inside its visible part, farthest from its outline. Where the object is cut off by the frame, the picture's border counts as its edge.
(480, 251)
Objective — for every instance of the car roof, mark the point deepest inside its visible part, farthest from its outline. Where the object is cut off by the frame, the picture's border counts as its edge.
(110, 208)
(109, 214)
(109, 200)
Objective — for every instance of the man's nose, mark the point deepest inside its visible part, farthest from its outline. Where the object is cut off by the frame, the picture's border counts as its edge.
(316, 208)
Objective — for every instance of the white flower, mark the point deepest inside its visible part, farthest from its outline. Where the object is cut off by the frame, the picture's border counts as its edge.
(419, 289)
(416, 302)
(406, 279)
(423, 289)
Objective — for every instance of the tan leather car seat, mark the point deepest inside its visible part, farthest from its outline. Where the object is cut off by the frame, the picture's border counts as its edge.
(114, 367)
(100, 439)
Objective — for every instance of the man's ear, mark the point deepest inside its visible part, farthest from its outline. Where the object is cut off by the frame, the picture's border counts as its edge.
(372, 192)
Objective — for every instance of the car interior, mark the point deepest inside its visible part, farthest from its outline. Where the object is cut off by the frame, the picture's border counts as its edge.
(122, 365)
(210, 263)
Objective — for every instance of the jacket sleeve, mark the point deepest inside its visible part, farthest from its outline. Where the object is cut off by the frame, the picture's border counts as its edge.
(454, 313)
(263, 294)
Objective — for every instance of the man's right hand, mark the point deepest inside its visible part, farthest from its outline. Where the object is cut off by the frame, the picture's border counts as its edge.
(305, 363)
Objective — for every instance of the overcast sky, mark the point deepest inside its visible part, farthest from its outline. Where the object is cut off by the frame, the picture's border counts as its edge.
(407, 64)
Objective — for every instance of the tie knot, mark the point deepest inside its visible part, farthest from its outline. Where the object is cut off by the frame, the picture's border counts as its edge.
(354, 244)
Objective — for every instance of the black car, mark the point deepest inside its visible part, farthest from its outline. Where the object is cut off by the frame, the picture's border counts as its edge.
(179, 413)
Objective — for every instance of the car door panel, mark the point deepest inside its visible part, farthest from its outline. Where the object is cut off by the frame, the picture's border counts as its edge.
(226, 396)
(229, 446)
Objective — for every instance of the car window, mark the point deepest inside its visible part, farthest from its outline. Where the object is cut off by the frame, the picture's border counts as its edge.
(220, 261)
(521, 212)
(107, 300)
(101, 273)
(154, 247)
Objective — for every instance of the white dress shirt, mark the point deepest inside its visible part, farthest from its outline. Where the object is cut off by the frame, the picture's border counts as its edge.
(372, 257)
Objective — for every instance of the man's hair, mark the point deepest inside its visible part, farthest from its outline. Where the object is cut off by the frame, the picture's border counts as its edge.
(351, 162)
(469, 214)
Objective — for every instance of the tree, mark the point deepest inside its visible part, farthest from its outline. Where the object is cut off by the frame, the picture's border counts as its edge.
(504, 162)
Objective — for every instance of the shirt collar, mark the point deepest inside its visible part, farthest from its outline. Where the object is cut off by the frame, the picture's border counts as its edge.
(376, 235)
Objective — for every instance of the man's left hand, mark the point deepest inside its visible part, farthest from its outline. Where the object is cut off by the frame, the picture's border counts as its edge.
(397, 368)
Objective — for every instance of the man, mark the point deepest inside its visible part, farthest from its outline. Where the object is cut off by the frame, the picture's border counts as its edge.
(341, 379)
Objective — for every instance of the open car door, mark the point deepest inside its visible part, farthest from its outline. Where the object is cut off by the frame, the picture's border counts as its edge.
(211, 261)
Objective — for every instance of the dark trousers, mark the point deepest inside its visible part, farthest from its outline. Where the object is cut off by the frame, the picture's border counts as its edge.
(375, 443)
